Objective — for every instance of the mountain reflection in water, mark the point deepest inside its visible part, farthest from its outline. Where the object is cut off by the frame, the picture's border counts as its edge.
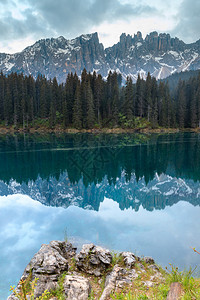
(154, 171)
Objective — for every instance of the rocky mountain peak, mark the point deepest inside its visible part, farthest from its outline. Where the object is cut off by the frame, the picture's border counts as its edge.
(138, 36)
(159, 54)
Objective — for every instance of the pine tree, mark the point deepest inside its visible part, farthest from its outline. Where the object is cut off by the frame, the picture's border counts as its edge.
(115, 103)
(23, 106)
(90, 107)
(128, 104)
(52, 115)
(2, 94)
(84, 77)
(193, 111)
(109, 95)
(43, 108)
(198, 105)
(181, 105)
(154, 101)
(98, 97)
(8, 109)
(148, 98)
(140, 97)
(77, 109)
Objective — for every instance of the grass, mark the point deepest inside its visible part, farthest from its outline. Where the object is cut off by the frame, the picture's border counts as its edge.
(59, 292)
(191, 285)
(161, 286)
(137, 290)
(27, 291)
(117, 259)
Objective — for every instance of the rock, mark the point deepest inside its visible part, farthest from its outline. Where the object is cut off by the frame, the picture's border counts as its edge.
(47, 265)
(157, 276)
(129, 259)
(110, 282)
(12, 297)
(148, 260)
(125, 278)
(148, 283)
(93, 259)
(159, 54)
(175, 292)
(118, 279)
(66, 249)
(76, 287)
(52, 260)
(142, 268)
(153, 267)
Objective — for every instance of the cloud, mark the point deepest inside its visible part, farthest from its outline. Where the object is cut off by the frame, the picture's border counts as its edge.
(26, 224)
(49, 18)
(188, 24)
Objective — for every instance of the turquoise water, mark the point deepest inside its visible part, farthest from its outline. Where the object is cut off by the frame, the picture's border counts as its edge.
(125, 192)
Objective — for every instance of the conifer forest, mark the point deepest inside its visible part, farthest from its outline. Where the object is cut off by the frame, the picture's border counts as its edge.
(95, 102)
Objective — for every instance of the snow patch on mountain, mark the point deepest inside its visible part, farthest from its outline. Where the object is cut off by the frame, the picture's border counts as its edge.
(158, 54)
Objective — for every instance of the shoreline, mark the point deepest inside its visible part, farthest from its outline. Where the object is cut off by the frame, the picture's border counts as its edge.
(59, 130)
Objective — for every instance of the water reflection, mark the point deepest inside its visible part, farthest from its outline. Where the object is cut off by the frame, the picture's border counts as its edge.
(163, 234)
(154, 171)
(128, 186)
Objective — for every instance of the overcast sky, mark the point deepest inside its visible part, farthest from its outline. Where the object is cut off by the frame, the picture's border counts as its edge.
(22, 22)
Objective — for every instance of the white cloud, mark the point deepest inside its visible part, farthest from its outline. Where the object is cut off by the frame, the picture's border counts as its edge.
(28, 21)
(25, 225)
(23, 22)
(109, 33)
(188, 21)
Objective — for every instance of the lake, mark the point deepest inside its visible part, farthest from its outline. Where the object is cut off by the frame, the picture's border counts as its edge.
(127, 192)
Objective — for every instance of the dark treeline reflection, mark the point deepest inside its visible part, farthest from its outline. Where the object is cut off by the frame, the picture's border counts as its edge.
(92, 157)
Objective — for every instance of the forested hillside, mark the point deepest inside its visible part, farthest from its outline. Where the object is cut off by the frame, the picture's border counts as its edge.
(173, 79)
(93, 102)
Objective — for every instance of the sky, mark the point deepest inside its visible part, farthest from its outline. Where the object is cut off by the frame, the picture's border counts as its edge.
(23, 22)
(166, 235)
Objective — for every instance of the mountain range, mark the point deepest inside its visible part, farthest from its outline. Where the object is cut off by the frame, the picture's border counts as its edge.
(159, 193)
(159, 54)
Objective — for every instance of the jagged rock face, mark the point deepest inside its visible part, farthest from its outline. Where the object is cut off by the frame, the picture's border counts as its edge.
(117, 280)
(57, 57)
(93, 259)
(158, 54)
(76, 287)
(129, 259)
(52, 260)
(47, 265)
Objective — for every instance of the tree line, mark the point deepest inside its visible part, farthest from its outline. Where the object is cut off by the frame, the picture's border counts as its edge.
(108, 155)
(92, 102)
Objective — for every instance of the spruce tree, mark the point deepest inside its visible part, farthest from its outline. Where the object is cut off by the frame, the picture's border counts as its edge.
(98, 97)
(128, 104)
(8, 108)
(90, 107)
(181, 105)
(140, 97)
(148, 98)
(84, 77)
(198, 105)
(77, 109)
(2, 94)
(52, 115)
